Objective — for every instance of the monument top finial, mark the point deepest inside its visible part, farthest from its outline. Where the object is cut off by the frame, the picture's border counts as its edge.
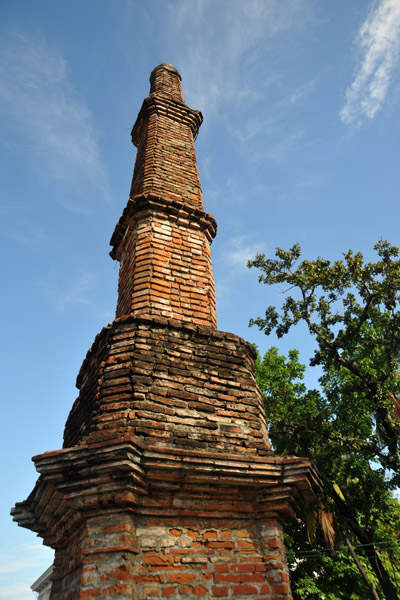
(165, 80)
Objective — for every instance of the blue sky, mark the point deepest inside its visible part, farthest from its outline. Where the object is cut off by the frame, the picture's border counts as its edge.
(300, 143)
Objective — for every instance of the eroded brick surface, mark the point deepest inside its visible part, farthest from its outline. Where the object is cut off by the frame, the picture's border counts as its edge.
(99, 561)
(211, 558)
(190, 387)
(156, 556)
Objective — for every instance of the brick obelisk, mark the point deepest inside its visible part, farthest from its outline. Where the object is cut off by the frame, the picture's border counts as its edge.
(166, 486)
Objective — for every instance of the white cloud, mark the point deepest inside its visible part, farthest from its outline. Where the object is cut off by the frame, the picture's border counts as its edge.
(20, 566)
(19, 591)
(378, 40)
(238, 250)
(225, 42)
(52, 126)
(76, 294)
(230, 265)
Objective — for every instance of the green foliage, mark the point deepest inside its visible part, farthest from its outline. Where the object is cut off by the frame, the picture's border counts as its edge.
(309, 423)
(352, 309)
(291, 420)
(317, 573)
(351, 426)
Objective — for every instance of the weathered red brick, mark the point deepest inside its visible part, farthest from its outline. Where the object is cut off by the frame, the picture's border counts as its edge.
(199, 590)
(168, 591)
(224, 567)
(280, 588)
(227, 578)
(210, 535)
(244, 589)
(175, 532)
(185, 589)
(181, 577)
(219, 591)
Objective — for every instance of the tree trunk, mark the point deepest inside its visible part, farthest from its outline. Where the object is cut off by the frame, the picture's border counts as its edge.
(364, 538)
(364, 575)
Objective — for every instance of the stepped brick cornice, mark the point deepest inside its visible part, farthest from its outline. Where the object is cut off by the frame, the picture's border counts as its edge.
(86, 479)
(166, 485)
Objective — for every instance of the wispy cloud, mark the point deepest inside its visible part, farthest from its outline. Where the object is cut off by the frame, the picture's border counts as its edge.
(51, 123)
(231, 263)
(225, 43)
(21, 231)
(77, 293)
(238, 250)
(271, 123)
(74, 295)
(13, 564)
(378, 41)
(20, 566)
(19, 591)
(232, 58)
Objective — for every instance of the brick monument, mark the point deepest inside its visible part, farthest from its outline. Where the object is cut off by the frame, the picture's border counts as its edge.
(166, 486)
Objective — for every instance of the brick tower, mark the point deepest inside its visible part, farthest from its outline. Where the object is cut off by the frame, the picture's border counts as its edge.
(166, 486)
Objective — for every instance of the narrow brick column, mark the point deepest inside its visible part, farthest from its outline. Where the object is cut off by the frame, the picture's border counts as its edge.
(163, 237)
(166, 485)
(164, 134)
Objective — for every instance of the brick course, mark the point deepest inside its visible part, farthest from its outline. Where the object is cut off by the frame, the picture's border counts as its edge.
(166, 485)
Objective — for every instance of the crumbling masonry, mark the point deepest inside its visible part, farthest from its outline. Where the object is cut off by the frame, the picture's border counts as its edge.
(166, 485)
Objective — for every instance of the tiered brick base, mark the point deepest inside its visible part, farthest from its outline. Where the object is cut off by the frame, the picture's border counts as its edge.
(167, 486)
(130, 521)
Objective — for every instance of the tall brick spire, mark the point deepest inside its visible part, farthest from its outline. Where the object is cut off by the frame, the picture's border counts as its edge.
(166, 486)
(163, 134)
(163, 237)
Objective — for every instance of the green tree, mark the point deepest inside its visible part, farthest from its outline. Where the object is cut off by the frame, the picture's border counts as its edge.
(352, 310)
(306, 423)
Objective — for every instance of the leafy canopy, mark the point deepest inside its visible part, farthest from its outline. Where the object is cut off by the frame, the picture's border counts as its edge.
(314, 424)
(351, 426)
(352, 309)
